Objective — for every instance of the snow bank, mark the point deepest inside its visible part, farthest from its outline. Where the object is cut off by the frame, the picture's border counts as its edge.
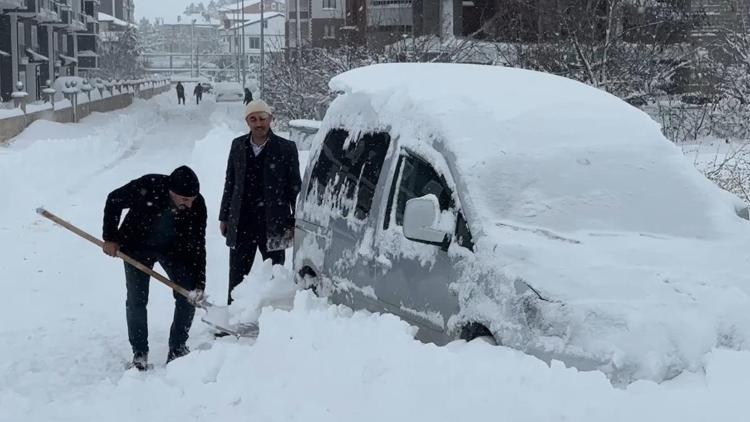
(318, 362)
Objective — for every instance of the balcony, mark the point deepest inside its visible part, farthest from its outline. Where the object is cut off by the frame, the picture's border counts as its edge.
(38, 10)
(12, 4)
(71, 21)
(42, 11)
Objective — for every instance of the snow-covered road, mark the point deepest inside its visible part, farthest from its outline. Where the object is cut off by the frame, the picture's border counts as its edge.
(63, 339)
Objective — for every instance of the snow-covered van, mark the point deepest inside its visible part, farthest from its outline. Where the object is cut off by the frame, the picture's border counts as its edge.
(547, 215)
(302, 132)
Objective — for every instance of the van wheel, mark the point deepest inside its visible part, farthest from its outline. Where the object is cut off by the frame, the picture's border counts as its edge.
(477, 331)
(306, 278)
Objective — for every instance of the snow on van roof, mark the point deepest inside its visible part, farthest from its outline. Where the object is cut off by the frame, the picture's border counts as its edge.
(536, 148)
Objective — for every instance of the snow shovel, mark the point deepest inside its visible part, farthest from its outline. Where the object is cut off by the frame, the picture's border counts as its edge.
(215, 316)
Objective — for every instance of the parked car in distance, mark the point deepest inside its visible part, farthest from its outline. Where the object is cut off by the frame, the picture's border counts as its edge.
(228, 92)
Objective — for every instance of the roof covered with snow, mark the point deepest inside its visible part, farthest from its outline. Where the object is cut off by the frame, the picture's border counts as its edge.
(247, 3)
(103, 17)
(238, 5)
(188, 20)
(254, 18)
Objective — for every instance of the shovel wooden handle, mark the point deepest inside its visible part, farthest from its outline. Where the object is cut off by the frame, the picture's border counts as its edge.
(179, 289)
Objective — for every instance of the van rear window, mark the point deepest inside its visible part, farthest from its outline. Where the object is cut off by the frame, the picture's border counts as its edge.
(348, 177)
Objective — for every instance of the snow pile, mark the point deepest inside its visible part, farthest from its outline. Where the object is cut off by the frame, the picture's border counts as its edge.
(267, 285)
(324, 363)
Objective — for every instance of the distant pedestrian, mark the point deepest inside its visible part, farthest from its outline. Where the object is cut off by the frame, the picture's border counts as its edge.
(180, 93)
(248, 96)
(198, 92)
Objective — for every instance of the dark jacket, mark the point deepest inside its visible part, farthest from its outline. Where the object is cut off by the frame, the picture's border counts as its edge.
(180, 90)
(248, 96)
(146, 198)
(198, 90)
(282, 184)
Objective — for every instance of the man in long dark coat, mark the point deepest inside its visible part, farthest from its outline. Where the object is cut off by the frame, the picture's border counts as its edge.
(260, 193)
(180, 93)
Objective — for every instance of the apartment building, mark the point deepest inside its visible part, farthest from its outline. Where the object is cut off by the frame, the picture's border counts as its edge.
(88, 41)
(190, 34)
(232, 14)
(273, 34)
(333, 23)
(39, 41)
(325, 15)
(123, 10)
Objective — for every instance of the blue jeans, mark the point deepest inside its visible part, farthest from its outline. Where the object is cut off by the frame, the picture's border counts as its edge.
(135, 305)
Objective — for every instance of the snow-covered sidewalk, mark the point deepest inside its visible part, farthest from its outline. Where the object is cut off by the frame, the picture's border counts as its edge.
(64, 340)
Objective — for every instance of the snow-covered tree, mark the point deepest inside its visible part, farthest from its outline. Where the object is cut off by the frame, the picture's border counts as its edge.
(297, 84)
(631, 48)
(212, 8)
(122, 58)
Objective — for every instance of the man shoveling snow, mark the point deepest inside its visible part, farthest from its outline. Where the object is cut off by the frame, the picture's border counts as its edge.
(166, 223)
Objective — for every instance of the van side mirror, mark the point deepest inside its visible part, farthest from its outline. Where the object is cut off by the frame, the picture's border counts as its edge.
(421, 221)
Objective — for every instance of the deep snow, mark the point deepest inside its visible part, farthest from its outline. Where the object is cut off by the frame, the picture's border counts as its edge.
(64, 340)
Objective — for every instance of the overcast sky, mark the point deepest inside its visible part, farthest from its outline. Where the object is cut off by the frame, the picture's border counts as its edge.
(161, 8)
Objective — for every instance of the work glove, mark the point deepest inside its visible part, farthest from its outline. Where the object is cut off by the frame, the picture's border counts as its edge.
(197, 298)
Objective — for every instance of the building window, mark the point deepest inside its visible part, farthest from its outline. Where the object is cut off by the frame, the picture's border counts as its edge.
(265, 24)
(376, 3)
(329, 31)
(254, 42)
(329, 4)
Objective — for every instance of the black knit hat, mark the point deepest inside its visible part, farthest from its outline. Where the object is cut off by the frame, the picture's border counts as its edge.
(184, 182)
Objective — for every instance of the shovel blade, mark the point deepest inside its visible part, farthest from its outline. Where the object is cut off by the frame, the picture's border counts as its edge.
(218, 318)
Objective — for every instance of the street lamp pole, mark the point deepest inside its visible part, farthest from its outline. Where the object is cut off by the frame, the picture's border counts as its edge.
(244, 66)
(235, 14)
(262, 46)
(192, 50)
(299, 39)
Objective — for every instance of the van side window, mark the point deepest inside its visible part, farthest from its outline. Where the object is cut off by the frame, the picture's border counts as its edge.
(351, 172)
(418, 179)
(366, 162)
(329, 162)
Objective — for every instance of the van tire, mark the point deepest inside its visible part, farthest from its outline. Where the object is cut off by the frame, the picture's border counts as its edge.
(306, 276)
(477, 331)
